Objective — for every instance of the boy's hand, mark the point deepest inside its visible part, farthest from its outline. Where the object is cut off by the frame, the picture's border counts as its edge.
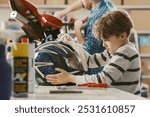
(60, 78)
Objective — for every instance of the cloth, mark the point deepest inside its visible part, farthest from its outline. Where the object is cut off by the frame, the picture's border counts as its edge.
(121, 70)
(93, 45)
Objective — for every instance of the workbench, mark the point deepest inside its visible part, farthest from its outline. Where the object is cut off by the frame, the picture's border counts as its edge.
(42, 93)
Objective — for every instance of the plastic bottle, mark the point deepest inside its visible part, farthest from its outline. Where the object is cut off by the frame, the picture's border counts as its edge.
(5, 75)
(8, 52)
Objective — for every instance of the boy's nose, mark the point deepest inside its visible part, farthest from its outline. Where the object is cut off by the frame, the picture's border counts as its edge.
(104, 44)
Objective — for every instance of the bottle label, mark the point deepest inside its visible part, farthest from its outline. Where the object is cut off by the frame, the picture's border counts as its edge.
(20, 81)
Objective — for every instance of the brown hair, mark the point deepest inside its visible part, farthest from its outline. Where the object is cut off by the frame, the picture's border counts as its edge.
(113, 23)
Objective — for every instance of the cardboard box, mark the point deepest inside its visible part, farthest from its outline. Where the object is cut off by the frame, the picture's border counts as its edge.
(145, 49)
(117, 2)
(3, 1)
(71, 1)
(55, 2)
(147, 81)
(137, 2)
(141, 19)
(145, 64)
(37, 2)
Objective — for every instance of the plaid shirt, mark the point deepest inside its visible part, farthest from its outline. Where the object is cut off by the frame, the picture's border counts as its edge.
(92, 45)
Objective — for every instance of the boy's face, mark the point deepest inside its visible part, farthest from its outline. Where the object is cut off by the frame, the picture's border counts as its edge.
(113, 43)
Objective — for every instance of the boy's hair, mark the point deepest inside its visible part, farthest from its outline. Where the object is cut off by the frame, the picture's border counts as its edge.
(113, 23)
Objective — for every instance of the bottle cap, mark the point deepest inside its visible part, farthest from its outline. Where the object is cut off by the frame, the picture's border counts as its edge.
(10, 41)
(24, 40)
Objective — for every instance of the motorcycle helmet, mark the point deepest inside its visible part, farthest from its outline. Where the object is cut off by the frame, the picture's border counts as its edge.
(56, 54)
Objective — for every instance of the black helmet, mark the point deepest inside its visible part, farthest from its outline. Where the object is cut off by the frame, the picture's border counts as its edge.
(56, 54)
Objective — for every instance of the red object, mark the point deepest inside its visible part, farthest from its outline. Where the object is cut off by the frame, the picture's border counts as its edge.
(50, 20)
(24, 40)
(29, 11)
(72, 20)
(24, 7)
(101, 85)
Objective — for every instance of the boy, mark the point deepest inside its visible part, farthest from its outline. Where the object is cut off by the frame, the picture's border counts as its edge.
(87, 39)
(121, 60)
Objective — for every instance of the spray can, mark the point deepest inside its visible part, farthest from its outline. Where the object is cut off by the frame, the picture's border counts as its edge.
(20, 69)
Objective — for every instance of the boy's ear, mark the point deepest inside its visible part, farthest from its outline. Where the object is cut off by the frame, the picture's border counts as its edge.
(123, 35)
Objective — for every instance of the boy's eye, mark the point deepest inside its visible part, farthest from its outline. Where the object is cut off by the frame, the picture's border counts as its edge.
(104, 40)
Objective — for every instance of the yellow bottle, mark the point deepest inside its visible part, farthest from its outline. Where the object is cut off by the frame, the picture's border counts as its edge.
(20, 68)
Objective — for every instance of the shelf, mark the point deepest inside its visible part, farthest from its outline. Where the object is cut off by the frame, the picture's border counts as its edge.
(52, 6)
(126, 7)
(143, 32)
(2, 6)
(12, 34)
(6, 6)
(134, 7)
(145, 76)
(12, 31)
(144, 55)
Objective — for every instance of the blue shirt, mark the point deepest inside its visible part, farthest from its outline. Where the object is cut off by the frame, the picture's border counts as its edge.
(5, 76)
(93, 45)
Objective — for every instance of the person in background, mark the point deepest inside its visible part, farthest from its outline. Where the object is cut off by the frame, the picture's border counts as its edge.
(5, 73)
(121, 59)
(97, 9)
(73, 7)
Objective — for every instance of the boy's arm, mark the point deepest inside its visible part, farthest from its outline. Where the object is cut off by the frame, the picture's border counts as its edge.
(90, 61)
(111, 72)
